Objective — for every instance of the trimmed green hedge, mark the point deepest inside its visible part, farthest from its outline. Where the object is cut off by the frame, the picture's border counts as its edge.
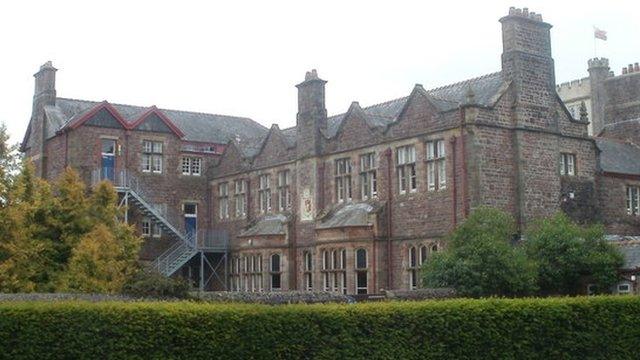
(596, 327)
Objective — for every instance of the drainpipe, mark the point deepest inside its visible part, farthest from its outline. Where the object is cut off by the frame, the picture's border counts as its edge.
(293, 254)
(454, 190)
(388, 153)
(66, 149)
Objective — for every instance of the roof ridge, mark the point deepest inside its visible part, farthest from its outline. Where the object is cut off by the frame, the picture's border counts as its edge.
(159, 108)
(465, 81)
(385, 103)
(620, 122)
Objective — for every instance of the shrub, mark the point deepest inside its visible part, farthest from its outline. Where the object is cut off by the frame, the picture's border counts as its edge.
(149, 283)
(275, 297)
(597, 328)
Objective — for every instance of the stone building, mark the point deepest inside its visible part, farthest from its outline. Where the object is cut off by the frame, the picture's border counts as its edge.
(351, 203)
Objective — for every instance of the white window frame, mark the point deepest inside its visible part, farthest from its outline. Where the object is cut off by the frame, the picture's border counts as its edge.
(152, 155)
(264, 193)
(240, 198)
(342, 175)
(145, 225)
(223, 200)
(627, 291)
(436, 165)
(567, 164)
(284, 190)
(633, 200)
(368, 176)
(406, 169)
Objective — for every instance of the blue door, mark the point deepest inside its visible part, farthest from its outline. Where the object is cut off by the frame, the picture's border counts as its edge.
(191, 221)
(108, 167)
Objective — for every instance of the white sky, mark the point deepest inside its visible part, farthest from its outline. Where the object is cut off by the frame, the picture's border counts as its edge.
(244, 57)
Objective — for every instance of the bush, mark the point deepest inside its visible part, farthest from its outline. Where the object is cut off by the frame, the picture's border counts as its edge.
(600, 327)
(275, 297)
(149, 283)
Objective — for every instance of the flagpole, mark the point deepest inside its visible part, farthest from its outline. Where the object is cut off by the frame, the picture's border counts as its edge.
(595, 52)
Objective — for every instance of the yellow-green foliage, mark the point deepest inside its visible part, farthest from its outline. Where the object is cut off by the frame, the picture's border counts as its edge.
(595, 328)
(98, 264)
(46, 233)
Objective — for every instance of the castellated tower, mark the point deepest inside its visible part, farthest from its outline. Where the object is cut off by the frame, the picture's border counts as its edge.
(598, 73)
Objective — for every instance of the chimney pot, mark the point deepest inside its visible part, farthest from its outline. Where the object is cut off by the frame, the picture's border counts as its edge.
(636, 67)
(630, 68)
(624, 70)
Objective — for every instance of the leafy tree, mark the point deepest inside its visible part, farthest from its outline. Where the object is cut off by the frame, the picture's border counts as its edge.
(565, 252)
(9, 163)
(480, 259)
(98, 264)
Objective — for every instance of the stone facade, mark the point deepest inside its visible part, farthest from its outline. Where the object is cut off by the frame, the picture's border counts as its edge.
(355, 202)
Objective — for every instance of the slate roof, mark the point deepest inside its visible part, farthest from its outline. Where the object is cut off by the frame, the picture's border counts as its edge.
(630, 248)
(350, 214)
(196, 126)
(618, 157)
(485, 89)
(267, 225)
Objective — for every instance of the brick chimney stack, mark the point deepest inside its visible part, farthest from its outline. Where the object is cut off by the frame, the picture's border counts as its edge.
(527, 61)
(43, 95)
(312, 114)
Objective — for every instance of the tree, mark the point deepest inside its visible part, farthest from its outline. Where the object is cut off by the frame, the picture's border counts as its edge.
(99, 263)
(565, 252)
(480, 259)
(9, 163)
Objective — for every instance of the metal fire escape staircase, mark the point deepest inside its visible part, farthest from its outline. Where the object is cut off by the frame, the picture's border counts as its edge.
(183, 250)
(186, 246)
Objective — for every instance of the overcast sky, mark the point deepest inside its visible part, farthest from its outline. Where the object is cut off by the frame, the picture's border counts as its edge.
(244, 57)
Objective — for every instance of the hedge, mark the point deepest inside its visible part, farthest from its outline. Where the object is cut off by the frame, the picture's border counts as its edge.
(595, 328)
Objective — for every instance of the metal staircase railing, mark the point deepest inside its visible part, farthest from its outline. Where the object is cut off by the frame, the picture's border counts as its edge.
(182, 250)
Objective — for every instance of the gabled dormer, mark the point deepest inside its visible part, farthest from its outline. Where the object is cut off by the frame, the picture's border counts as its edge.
(154, 120)
(101, 115)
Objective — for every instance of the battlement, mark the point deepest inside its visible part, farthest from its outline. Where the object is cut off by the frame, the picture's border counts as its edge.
(573, 84)
(598, 62)
(524, 12)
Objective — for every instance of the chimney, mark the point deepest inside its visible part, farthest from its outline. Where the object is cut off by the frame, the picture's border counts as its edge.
(312, 115)
(598, 72)
(46, 83)
(624, 70)
(636, 67)
(630, 67)
(43, 95)
(527, 62)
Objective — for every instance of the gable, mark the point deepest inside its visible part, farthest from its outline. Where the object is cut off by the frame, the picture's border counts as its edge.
(274, 149)
(230, 162)
(153, 123)
(418, 114)
(104, 118)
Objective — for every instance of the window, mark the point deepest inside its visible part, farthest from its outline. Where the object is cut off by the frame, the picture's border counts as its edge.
(239, 197)
(108, 147)
(275, 273)
(191, 166)
(361, 271)
(423, 255)
(413, 268)
(567, 164)
(223, 200)
(234, 274)
(343, 179)
(633, 200)
(334, 272)
(368, 184)
(146, 227)
(592, 289)
(436, 165)
(406, 168)
(264, 194)
(255, 272)
(150, 228)
(152, 156)
(308, 270)
(624, 288)
(284, 193)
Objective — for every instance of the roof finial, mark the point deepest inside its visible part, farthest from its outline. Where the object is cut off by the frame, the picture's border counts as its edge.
(470, 96)
(584, 116)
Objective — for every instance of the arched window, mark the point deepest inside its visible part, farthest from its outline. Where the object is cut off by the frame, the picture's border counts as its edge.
(434, 248)
(423, 254)
(413, 268)
(361, 272)
(276, 283)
